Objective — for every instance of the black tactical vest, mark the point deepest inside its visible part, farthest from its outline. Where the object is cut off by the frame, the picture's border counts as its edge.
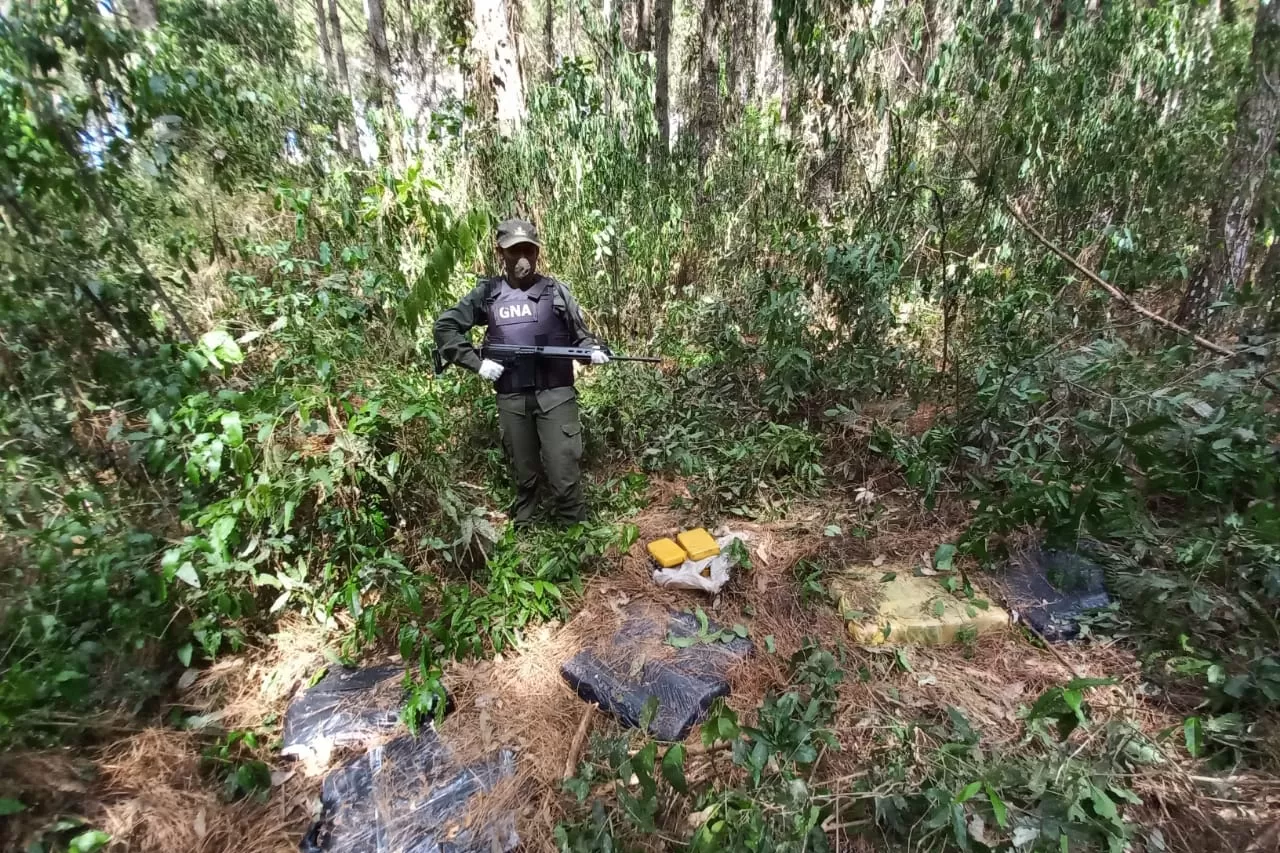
(529, 318)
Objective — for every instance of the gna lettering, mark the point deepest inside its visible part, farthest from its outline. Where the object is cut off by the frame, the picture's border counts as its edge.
(515, 311)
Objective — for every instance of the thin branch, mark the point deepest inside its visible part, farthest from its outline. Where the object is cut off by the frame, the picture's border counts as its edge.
(579, 738)
(1120, 295)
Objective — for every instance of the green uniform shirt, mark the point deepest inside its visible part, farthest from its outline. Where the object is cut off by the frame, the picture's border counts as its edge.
(452, 336)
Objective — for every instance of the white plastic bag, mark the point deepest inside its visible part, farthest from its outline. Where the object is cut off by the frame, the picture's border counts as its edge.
(689, 574)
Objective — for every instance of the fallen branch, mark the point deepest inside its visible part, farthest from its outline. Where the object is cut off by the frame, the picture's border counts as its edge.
(579, 738)
(1112, 290)
(1120, 295)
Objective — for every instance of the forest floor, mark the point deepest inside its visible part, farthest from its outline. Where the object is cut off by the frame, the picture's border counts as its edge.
(146, 786)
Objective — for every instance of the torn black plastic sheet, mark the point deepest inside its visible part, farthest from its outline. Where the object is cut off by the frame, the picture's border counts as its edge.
(346, 708)
(622, 679)
(1050, 590)
(409, 796)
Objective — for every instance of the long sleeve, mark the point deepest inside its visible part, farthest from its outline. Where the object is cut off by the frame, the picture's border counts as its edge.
(452, 328)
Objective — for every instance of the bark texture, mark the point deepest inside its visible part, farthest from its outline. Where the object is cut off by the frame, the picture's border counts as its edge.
(322, 37)
(662, 74)
(1233, 221)
(707, 118)
(385, 82)
(498, 70)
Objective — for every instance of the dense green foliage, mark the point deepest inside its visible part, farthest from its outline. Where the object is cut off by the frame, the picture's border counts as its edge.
(216, 406)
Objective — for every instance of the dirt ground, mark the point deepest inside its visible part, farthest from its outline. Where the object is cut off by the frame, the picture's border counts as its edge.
(146, 788)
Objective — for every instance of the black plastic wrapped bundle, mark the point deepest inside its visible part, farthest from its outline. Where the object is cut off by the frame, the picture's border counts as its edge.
(409, 796)
(348, 707)
(1050, 590)
(637, 664)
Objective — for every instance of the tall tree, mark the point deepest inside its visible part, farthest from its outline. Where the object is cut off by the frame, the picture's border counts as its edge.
(344, 78)
(549, 38)
(662, 61)
(385, 82)
(644, 30)
(1233, 220)
(707, 112)
(498, 71)
(339, 49)
(322, 38)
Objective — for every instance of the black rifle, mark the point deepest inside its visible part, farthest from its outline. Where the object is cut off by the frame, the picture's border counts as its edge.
(510, 353)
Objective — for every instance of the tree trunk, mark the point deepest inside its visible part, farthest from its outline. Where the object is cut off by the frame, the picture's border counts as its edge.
(753, 54)
(515, 26)
(385, 82)
(142, 13)
(322, 38)
(549, 38)
(498, 71)
(644, 31)
(662, 61)
(1233, 219)
(339, 50)
(707, 116)
(349, 140)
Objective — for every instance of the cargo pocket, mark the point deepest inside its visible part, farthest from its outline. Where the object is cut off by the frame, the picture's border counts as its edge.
(573, 439)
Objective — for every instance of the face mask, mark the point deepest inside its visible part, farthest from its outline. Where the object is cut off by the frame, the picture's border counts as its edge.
(523, 269)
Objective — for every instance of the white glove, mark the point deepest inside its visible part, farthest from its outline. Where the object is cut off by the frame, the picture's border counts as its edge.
(490, 370)
(599, 356)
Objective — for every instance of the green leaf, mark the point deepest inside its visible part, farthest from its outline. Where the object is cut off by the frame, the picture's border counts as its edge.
(1103, 805)
(939, 607)
(889, 577)
(648, 713)
(9, 806)
(187, 573)
(232, 429)
(740, 630)
(1081, 683)
(184, 654)
(968, 792)
(768, 644)
(642, 761)
(1236, 686)
(1075, 701)
(673, 768)
(578, 787)
(1193, 733)
(958, 827)
(944, 557)
(222, 347)
(681, 642)
(832, 530)
(89, 842)
(901, 656)
(998, 806)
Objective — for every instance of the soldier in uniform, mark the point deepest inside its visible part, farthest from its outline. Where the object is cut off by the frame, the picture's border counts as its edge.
(537, 403)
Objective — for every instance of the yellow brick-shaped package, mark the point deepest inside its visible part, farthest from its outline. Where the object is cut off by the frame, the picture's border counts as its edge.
(666, 553)
(698, 543)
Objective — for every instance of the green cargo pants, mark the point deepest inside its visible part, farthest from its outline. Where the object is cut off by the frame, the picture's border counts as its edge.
(542, 434)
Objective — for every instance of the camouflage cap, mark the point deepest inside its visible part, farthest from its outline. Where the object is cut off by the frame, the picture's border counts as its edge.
(515, 231)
